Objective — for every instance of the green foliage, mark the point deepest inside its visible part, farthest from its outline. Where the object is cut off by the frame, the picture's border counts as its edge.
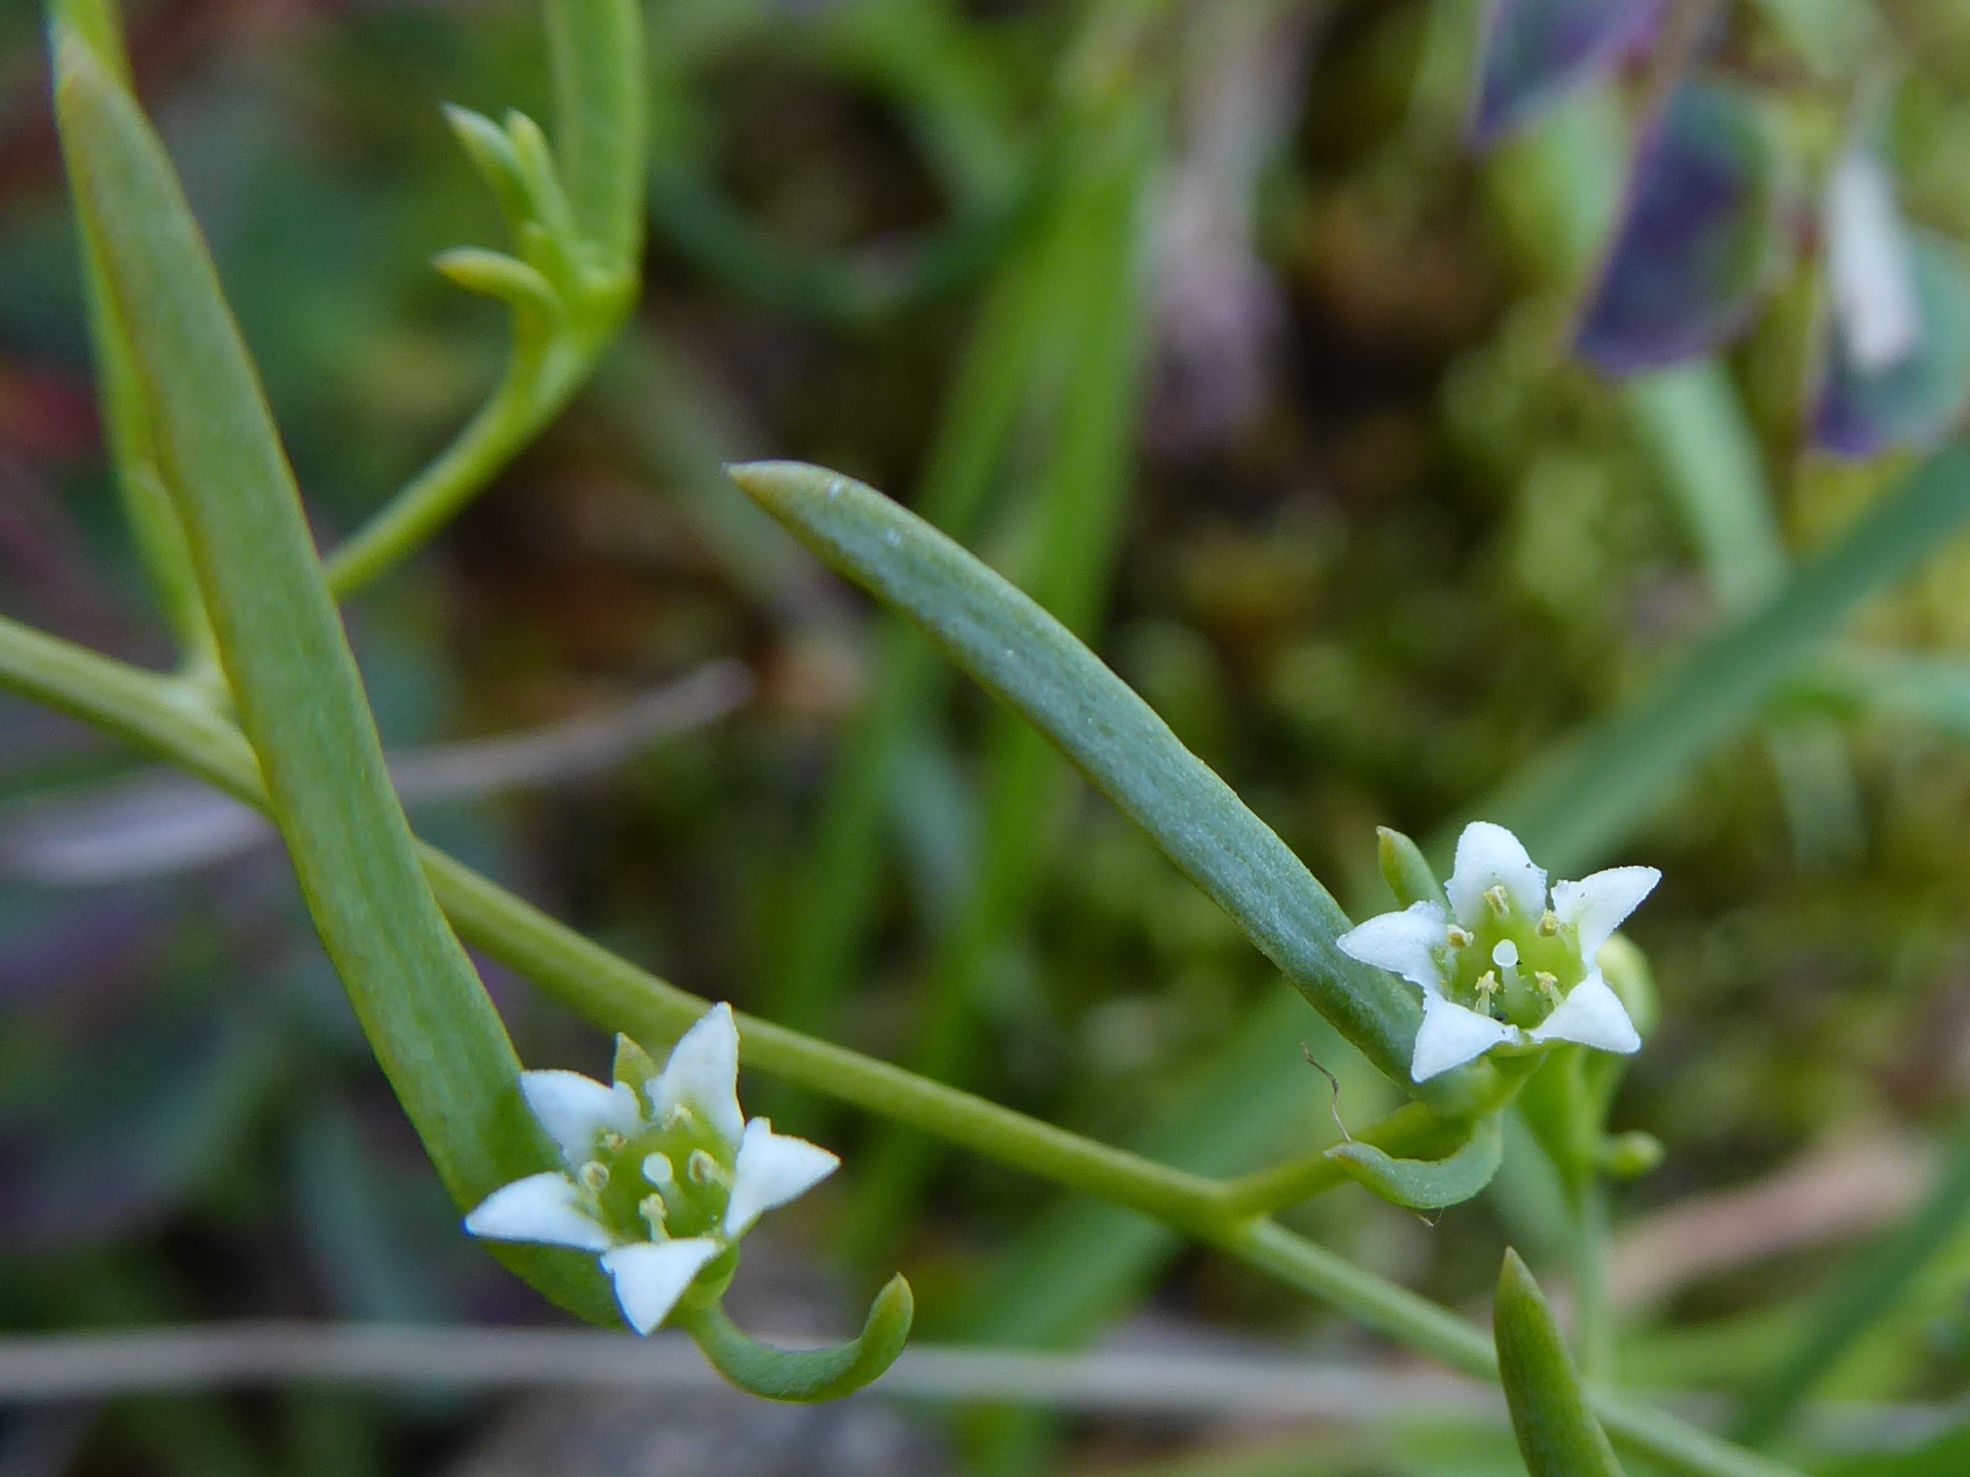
(1557, 1433)
(289, 667)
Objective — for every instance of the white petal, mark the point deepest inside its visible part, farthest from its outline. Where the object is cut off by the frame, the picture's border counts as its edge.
(772, 1169)
(1490, 856)
(652, 1275)
(575, 1110)
(1403, 943)
(543, 1208)
(1599, 904)
(1453, 1034)
(703, 1074)
(1593, 1015)
(1868, 266)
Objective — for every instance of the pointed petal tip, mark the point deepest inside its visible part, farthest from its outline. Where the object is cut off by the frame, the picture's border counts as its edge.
(575, 1109)
(772, 1169)
(544, 1209)
(1489, 855)
(1591, 1015)
(1452, 1035)
(1403, 943)
(652, 1275)
(1597, 905)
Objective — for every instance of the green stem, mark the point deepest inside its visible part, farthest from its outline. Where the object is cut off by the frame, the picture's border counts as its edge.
(538, 381)
(155, 713)
(1593, 1312)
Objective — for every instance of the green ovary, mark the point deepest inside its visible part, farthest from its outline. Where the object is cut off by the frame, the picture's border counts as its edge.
(1521, 982)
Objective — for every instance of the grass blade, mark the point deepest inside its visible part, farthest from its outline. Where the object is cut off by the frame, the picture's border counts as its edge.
(1082, 495)
(294, 680)
(1862, 1295)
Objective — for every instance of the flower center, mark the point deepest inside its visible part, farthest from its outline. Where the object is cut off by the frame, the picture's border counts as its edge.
(1511, 967)
(669, 1181)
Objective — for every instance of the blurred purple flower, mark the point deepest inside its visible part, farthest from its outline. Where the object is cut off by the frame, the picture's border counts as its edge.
(1916, 399)
(1696, 239)
(1536, 51)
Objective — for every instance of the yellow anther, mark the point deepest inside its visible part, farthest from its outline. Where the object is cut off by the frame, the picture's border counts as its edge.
(594, 1177)
(653, 1210)
(703, 1169)
(614, 1142)
(1487, 985)
(1549, 924)
(1500, 900)
(1549, 985)
(1460, 938)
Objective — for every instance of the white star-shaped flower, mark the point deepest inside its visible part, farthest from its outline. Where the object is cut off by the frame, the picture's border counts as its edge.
(659, 1184)
(1504, 964)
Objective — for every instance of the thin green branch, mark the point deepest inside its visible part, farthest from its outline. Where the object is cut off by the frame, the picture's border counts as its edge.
(155, 713)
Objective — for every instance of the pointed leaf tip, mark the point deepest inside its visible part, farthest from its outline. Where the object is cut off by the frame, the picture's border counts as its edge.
(1556, 1431)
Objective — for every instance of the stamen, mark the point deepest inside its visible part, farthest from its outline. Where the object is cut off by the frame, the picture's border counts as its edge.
(1549, 924)
(614, 1142)
(653, 1210)
(594, 1176)
(1487, 987)
(1500, 900)
(1549, 985)
(1460, 938)
(703, 1169)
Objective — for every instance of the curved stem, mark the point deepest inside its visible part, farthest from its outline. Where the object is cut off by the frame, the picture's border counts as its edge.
(537, 382)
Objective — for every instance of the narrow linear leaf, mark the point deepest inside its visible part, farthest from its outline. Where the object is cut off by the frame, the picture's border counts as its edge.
(293, 678)
(1428, 1184)
(596, 50)
(1557, 1434)
(1028, 659)
(154, 529)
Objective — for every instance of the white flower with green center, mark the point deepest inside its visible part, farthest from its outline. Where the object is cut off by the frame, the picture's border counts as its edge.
(661, 1179)
(1504, 965)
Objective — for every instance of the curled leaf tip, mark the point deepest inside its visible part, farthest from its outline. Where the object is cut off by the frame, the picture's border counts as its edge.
(809, 1376)
(1427, 1184)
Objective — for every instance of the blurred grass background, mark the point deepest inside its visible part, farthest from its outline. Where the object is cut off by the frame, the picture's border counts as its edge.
(1200, 323)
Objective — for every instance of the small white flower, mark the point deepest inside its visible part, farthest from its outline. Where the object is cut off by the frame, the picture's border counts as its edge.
(660, 1184)
(1504, 965)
